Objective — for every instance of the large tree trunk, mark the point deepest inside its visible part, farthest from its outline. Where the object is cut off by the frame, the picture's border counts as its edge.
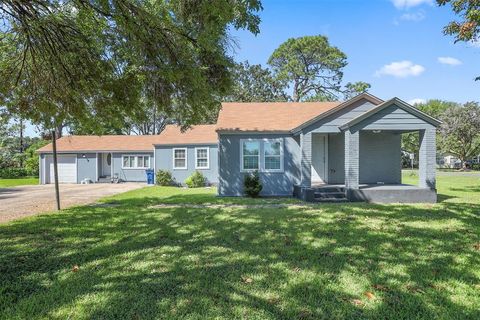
(55, 169)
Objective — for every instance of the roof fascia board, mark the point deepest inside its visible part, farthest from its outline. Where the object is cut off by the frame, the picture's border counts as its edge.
(186, 144)
(240, 132)
(366, 96)
(91, 151)
(394, 101)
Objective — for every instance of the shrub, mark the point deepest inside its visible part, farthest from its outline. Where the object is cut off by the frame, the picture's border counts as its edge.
(13, 173)
(164, 178)
(196, 180)
(252, 184)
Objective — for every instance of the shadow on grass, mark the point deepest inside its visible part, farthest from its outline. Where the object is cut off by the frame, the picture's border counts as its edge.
(306, 263)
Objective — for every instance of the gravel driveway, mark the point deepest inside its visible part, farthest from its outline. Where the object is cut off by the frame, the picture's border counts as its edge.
(24, 201)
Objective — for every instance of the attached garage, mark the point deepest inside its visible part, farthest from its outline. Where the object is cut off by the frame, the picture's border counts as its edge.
(67, 169)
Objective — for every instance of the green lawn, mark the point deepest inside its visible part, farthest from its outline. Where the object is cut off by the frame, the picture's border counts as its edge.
(17, 182)
(333, 261)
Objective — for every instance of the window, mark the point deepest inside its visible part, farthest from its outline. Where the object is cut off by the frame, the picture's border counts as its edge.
(250, 155)
(135, 162)
(272, 150)
(261, 154)
(143, 161)
(129, 161)
(180, 158)
(202, 158)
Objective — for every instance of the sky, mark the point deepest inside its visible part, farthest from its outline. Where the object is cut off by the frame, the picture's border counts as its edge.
(395, 45)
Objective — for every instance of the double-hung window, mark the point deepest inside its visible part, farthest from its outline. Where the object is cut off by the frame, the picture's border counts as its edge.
(272, 150)
(143, 161)
(180, 158)
(202, 160)
(135, 162)
(262, 155)
(250, 155)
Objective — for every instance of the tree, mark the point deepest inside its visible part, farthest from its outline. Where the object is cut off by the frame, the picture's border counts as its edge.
(90, 59)
(355, 88)
(310, 66)
(31, 157)
(253, 83)
(467, 29)
(459, 132)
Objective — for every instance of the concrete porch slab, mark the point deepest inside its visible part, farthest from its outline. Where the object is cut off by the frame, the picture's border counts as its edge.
(375, 193)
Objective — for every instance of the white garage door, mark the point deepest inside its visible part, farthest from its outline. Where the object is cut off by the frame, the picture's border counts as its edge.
(67, 169)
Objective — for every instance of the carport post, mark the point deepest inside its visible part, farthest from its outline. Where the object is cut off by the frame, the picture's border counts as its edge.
(55, 168)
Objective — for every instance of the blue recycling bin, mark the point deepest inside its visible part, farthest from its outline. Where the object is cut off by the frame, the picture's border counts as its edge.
(150, 176)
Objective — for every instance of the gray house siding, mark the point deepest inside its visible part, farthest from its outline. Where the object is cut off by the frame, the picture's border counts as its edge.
(134, 175)
(274, 183)
(336, 158)
(86, 167)
(331, 123)
(164, 161)
(380, 157)
(41, 168)
(393, 118)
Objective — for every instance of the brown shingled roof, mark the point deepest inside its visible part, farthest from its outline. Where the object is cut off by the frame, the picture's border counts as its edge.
(269, 116)
(171, 135)
(200, 134)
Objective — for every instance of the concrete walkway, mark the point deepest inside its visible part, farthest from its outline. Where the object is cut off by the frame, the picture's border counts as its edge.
(24, 201)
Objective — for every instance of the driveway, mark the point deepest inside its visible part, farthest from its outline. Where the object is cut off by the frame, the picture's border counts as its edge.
(24, 201)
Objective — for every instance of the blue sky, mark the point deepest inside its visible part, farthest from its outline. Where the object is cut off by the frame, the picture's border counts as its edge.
(395, 45)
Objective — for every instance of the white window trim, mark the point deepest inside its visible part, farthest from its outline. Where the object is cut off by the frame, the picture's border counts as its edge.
(261, 155)
(281, 154)
(208, 158)
(136, 167)
(242, 169)
(186, 159)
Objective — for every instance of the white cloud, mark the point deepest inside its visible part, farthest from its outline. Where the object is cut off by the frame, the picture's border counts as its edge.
(401, 69)
(415, 16)
(417, 101)
(450, 61)
(405, 4)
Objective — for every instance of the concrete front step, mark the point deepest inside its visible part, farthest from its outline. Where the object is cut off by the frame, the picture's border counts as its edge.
(331, 200)
(330, 194)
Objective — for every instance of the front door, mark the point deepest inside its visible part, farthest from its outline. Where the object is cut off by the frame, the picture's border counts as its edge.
(319, 158)
(106, 164)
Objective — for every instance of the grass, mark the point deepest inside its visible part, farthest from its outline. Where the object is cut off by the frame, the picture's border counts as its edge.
(338, 261)
(4, 183)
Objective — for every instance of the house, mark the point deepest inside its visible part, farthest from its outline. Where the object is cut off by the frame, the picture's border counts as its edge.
(309, 149)
(100, 158)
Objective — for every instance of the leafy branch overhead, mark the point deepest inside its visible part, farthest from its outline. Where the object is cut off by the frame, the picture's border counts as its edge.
(90, 59)
(467, 29)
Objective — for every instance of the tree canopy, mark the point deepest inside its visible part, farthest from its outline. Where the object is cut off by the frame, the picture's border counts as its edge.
(459, 132)
(467, 28)
(88, 59)
(310, 66)
(253, 83)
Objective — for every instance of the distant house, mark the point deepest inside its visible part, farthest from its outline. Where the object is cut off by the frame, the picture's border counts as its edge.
(313, 150)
